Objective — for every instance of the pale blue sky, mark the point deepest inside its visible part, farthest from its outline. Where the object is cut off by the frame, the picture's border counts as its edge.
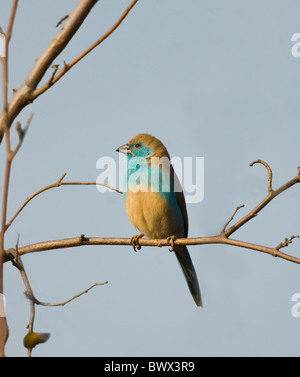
(210, 78)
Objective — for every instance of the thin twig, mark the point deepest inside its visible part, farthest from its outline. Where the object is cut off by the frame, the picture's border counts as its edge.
(37, 302)
(28, 288)
(270, 190)
(11, 20)
(62, 20)
(286, 242)
(55, 68)
(21, 133)
(30, 295)
(57, 184)
(90, 184)
(231, 218)
(271, 195)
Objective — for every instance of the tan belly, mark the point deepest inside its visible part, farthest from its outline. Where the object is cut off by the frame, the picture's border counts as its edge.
(151, 215)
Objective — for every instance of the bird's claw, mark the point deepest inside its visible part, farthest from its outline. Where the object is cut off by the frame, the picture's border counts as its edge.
(171, 241)
(135, 241)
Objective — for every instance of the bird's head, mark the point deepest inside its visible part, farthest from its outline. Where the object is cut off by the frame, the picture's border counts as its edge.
(144, 145)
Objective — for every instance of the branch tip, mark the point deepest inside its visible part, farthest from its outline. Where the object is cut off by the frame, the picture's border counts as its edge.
(62, 20)
(71, 299)
(286, 242)
(62, 177)
(231, 218)
(269, 173)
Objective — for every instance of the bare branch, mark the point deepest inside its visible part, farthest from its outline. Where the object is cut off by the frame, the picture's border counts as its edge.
(90, 184)
(53, 185)
(21, 133)
(11, 20)
(231, 218)
(29, 293)
(269, 172)
(23, 96)
(89, 241)
(272, 194)
(27, 286)
(5, 130)
(62, 20)
(286, 242)
(68, 66)
(28, 91)
(37, 302)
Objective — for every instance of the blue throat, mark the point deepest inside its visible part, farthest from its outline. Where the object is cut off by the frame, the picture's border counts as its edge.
(150, 178)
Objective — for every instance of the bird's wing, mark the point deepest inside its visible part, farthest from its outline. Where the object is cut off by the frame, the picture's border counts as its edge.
(181, 201)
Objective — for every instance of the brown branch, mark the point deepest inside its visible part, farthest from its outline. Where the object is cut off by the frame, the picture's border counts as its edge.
(28, 91)
(50, 81)
(17, 262)
(271, 195)
(270, 174)
(10, 154)
(89, 241)
(23, 96)
(9, 157)
(21, 133)
(286, 242)
(37, 302)
(62, 20)
(53, 185)
(68, 66)
(11, 20)
(231, 218)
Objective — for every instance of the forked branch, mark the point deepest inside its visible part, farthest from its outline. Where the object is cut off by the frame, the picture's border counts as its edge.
(53, 185)
(32, 338)
(68, 66)
(271, 195)
(28, 91)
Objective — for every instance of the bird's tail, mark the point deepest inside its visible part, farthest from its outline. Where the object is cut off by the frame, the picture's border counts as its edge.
(188, 269)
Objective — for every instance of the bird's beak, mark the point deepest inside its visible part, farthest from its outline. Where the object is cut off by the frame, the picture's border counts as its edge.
(124, 149)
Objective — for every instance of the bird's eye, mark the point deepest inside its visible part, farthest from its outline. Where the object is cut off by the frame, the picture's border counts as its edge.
(137, 145)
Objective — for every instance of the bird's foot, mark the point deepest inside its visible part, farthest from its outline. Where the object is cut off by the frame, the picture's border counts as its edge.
(171, 241)
(135, 241)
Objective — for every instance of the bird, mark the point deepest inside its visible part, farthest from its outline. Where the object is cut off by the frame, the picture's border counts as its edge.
(154, 200)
